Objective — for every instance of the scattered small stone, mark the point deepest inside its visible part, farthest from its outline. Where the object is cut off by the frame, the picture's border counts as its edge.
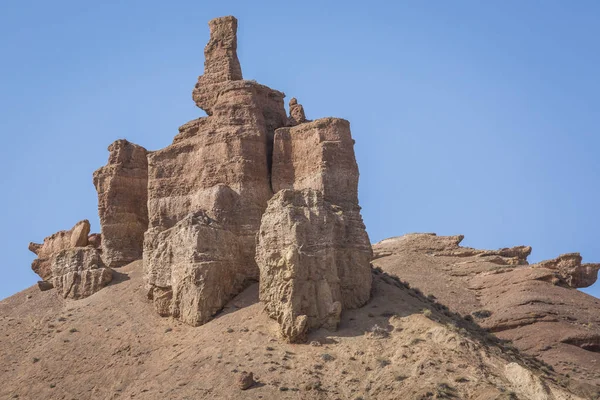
(168, 330)
(315, 343)
(269, 348)
(35, 359)
(245, 380)
(229, 330)
(327, 357)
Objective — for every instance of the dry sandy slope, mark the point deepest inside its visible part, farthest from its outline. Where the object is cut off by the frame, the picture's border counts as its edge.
(113, 345)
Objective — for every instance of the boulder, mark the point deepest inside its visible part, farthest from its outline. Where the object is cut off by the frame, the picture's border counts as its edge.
(122, 187)
(312, 263)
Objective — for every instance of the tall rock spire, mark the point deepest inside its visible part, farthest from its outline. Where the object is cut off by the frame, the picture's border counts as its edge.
(221, 63)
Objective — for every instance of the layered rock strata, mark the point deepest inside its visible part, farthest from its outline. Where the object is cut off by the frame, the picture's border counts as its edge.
(67, 262)
(77, 236)
(122, 187)
(217, 165)
(535, 306)
(313, 250)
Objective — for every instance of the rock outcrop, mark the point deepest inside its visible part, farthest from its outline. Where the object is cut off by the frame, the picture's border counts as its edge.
(77, 236)
(221, 64)
(535, 306)
(205, 268)
(79, 272)
(308, 271)
(297, 115)
(68, 263)
(313, 250)
(122, 187)
(317, 155)
(217, 165)
(571, 271)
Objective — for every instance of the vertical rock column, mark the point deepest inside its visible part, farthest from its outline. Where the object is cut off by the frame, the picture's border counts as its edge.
(313, 250)
(122, 187)
(208, 190)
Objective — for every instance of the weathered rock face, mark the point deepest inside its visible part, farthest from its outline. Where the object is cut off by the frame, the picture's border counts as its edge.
(317, 155)
(571, 271)
(202, 268)
(221, 63)
(534, 306)
(122, 187)
(313, 250)
(314, 262)
(61, 240)
(67, 262)
(217, 165)
(79, 272)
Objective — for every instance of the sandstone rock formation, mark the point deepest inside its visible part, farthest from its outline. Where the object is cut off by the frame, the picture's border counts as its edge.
(209, 189)
(79, 272)
(219, 166)
(61, 240)
(65, 263)
(314, 262)
(317, 155)
(122, 187)
(571, 271)
(534, 306)
(297, 116)
(205, 268)
(313, 250)
(221, 64)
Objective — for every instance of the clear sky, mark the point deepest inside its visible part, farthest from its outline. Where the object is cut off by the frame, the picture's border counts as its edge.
(470, 117)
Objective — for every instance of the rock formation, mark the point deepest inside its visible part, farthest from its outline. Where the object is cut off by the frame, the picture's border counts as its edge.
(221, 64)
(534, 306)
(79, 272)
(192, 210)
(219, 166)
(209, 189)
(308, 273)
(297, 116)
(313, 250)
(77, 236)
(122, 187)
(65, 263)
(569, 269)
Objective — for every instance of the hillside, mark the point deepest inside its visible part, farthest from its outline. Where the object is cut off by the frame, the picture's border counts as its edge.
(112, 345)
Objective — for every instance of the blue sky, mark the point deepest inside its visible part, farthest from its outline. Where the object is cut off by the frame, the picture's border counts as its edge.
(470, 117)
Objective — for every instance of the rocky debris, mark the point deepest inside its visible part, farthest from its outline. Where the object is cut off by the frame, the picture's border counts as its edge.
(570, 270)
(79, 272)
(196, 269)
(122, 187)
(311, 264)
(297, 116)
(221, 62)
(245, 380)
(534, 306)
(62, 240)
(217, 165)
